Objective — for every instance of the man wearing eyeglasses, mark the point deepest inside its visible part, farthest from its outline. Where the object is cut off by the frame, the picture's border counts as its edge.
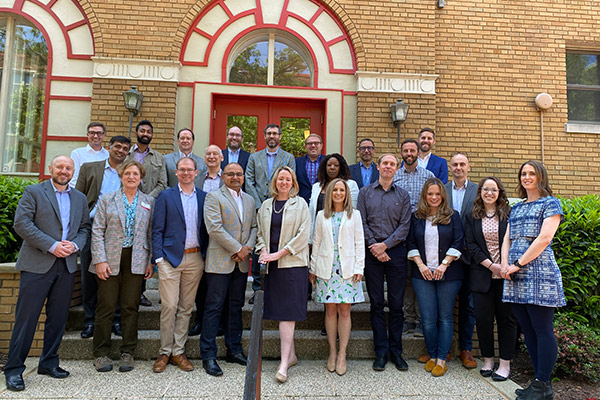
(308, 165)
(185, 142)
(461, 194)
(234, 152)
(179, 242)
(365, 171)
(93, 151)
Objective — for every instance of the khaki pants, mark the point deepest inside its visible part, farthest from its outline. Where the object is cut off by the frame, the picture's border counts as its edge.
(177, 288)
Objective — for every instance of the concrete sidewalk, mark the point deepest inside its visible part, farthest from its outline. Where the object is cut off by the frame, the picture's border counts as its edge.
(308, 380)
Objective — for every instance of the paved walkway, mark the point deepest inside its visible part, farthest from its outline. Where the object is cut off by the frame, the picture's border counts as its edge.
(308, 380)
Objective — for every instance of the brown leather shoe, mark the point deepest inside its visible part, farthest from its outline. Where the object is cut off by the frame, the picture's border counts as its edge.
(467, 359)
(182, 362)
(424, 358)
(161, 363)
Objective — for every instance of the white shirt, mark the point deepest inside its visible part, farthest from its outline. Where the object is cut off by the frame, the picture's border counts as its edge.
(84, 155)
(424, 161)
(240, 204)
(458, 195)
(432, 242)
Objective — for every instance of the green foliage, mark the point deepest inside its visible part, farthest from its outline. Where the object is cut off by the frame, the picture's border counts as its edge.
(292, 135)
(11, 190)
(577, 249)
(578, 350)
(249, 125)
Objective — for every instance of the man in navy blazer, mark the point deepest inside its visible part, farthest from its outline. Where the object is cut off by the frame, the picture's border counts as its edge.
(308, 165)
(179, 243)
(461, 194)
(428, 160)
(233, 152)
(365, 171)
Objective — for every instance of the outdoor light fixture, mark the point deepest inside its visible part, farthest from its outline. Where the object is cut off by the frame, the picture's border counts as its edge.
(399, 112)
(133, 102)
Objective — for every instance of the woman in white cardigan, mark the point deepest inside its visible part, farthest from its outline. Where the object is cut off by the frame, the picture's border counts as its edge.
(336, 267)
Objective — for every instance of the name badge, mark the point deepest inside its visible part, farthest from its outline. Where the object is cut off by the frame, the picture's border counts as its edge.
(145, 206)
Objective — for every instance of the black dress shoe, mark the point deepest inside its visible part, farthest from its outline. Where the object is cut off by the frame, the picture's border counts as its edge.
(220, 332)
(399, 362)
(87, 332)
(211, 367)
(251, 300)
(238, 358)
(145, 302)
(116, 329)
(15, 383)
(195, 330)
(486, 373)
(379, 363)
(55, 372)
(498, 377)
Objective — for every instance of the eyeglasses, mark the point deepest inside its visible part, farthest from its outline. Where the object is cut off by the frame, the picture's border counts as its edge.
(489, 190)
(366, 148)
(234, 135)
(186, 170)
(95, 133)
(313, 143)
(232, 174)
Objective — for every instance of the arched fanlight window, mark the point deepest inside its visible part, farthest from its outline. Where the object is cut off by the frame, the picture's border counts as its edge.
(23, 67)
(271, 58)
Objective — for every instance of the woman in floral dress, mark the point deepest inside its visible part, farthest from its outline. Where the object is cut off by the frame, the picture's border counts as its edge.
(337, 266)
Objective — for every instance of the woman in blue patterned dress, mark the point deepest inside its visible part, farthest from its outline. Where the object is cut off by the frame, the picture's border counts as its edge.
(533, 281)
(336, 267)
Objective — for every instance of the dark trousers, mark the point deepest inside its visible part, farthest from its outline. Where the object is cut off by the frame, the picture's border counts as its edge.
(466, 313)
(255, 271)
(201, 300)
(89, 288)
(537, 323)
(127, 288)
(223, 288)
(487, 306)
(56, 285)
(394, 272)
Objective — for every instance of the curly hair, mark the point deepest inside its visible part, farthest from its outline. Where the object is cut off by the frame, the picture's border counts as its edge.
(322, 172)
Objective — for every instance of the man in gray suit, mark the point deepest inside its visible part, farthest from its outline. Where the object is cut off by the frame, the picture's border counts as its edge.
(259, 172)
(185, 142)
(53, 220)
(461, 194)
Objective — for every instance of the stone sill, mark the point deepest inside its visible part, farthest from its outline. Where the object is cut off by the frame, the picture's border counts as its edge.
(8, 268)
(573, 127)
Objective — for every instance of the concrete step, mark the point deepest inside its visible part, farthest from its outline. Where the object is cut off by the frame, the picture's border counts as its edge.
(309, 345)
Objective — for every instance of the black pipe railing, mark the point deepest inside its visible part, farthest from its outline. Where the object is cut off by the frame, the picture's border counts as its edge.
(254, 367)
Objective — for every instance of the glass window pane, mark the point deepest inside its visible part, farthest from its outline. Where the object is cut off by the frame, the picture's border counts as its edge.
(249, 125)
(2, 43)
(293, 133)
(583, 105)
(290, 68)
(251, 65)
(25, 113)
(582, 69)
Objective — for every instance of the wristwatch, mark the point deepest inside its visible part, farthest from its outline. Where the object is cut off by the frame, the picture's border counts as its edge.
(518, 264)
(445, 262)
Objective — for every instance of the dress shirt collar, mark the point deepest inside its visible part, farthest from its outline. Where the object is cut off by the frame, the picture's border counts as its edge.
(426, 158)
(181, 154)
(273, 154)
(136, 149)
(406, 171)
(67, 190)
(90, 149)
(181, 191)
(218, 174)
(463, 187)
(364, 166)
(236, 195)
(233, 152)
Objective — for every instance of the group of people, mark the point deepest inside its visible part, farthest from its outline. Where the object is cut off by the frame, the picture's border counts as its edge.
(313, 220)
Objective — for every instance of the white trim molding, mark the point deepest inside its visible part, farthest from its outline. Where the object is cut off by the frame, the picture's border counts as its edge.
(573, 127)
(146, 70)
(395, 83)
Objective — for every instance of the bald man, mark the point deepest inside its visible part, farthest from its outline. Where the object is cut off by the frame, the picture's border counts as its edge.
(211, 179)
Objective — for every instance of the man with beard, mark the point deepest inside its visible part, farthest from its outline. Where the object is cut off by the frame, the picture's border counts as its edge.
(53, 221)
(155, 180)
(234, 152)
(185, 142)
(365, 171)
(428, 160)
(411, 177)
(96, 179)
(259, 172)
(308, 165)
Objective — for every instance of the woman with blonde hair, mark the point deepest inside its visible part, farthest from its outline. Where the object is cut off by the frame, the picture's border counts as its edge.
(434, 240)
(336, 268)
(282, 243)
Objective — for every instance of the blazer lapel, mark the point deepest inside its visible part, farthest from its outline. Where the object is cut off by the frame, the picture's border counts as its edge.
(49, 190)
(233, 204)
(263, 162)
(118, 199)
(177, 200)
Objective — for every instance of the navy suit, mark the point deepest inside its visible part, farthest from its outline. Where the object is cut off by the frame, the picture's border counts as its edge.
(304, 185)
(439, 167)
(357, 174)
(242, 159)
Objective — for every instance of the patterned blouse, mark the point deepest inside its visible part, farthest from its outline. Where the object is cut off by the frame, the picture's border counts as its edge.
(489, 226)
(129, 220)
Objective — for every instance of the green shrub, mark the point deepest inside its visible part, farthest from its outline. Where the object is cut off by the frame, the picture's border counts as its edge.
(577, 249)
(578, 350)
(11, 190)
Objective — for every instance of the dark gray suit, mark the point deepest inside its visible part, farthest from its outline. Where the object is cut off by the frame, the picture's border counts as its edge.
(43, 275)
(171, 164)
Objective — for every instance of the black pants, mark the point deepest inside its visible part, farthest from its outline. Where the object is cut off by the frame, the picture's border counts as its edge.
(56, 285)
(394, 272)
(487, 307)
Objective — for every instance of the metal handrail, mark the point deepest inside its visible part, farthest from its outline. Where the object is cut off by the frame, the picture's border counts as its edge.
(253, 369)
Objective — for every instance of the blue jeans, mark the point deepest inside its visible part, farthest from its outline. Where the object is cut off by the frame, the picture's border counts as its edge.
(436, 301)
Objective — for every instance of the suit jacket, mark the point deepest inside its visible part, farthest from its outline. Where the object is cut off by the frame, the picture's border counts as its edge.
(480, 278)
(228, 230)
(451, 236)
(294, 234)
(304, 184)
(242, 159)
(37, 222)
(155, 180)
(171, 164)
(90, 180)
(439, 167)
(357, 174)
(467, 208)
(168, 226)
(108, 233)
(199, 181)
(258, 178)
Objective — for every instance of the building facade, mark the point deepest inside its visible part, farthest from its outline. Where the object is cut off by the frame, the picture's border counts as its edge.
(469, 70)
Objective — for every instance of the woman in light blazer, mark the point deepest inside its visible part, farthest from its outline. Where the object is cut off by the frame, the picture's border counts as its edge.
(282, 242)
(121, 238)
(336, 267)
